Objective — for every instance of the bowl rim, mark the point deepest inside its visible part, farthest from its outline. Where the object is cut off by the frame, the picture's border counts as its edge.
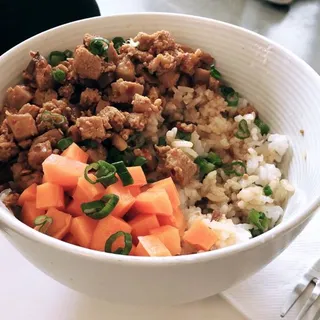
(8, 221)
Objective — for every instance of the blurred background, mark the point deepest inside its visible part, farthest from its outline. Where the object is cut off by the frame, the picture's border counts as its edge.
(296, 26)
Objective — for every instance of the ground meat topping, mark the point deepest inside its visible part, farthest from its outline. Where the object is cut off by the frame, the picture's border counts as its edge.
(90, 97)
(99, 153)
(38, 153)
(31, 109)
(18, 96)
(175, 163)
(11, 200)
(125, 69)
(113, 118)
(41, 97)
(92, 128)
(22, 126)
(124, 91)
(135, 121)
(188, 128)
(142, 104)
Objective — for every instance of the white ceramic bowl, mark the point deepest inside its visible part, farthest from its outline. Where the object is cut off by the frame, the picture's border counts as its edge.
(286, 92)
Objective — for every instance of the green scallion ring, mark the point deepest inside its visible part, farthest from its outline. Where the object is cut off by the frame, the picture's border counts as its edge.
(243, 130)
(123, 173)
(225, 91)
(64, 143)
(68, 53)
(118, 42)
(233, 99)
(127, 243)
(105, 173)
(229, 169)
(43, 222)
(183, 135)
(162, 141)
(55, 57)
(98, 46)
(204, 165)
(140, 161)
(214, 72)
(214, 159)
(100, 209)
(58, 75)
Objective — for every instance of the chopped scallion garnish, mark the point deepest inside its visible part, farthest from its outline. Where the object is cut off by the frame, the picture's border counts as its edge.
(64, 143)
(267, 190)
(215, 159)
(123, 173)
(43, 223)
(183, 135)
(52, 117)
(118, 42)
(214, 72)
(55, 57)
(264, 128)
(162, 141)
(259, 220)
(58, 75)
(243, 130)
(99, 209)
(140, 161)
(236, 167)
(233, 99)
(104, 171)
(68, 53)
(136, 141)
(98, 46)
(204, 165)
(127, 243)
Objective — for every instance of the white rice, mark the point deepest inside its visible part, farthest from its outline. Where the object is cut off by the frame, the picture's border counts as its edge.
(232, 197)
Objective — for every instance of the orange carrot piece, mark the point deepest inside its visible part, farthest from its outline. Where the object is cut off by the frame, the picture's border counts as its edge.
(61, 223)
(200, 236)
(74, 152)
(28, 194)
(126, 200)
(44, 179)
(82, 229)
(134, 190)
(49, 195)
(151, 246)
(171, 189)
(86, 191)
(74, 208)
(138, 176)
(63, 171)
(70, 239)
(177, 220)
(105, 228)
(29, 212)
(154, 201)
(142, 224)
(170, 237)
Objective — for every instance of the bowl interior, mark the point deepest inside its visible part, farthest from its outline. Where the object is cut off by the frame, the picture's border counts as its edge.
(285, 90)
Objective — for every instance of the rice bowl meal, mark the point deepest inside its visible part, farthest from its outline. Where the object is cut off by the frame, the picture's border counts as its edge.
(138, 147)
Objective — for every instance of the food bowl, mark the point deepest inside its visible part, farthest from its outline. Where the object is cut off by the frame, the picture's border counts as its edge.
(286, 92)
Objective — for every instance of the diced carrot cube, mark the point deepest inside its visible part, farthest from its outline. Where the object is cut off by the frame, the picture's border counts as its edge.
(134, 190)
(28, 194)
(74, 152)
(61, 223)
(138, 176)
(49, 195)
(200, 236)
(29, 212)
(171, 189)
(177, 220)
(70, 239)
(151, 246)
(126, 200)
(82, 229)
(142, 224)
(86, 191)
(63, 171)
(74, 208)
(170, 237)
(106, 227)
(154, 201)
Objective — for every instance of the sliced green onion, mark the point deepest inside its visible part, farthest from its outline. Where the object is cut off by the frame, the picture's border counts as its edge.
(183, 135)
(118, 42)
(215, 159)
(225, 91)
(123, 173)
(267, 190)
(68, 53)
(204, 165)
(140, 161)
(100, 209)
(264, 128)
(43, 222)
(127, 243)
(233, 99)
(255, 232)
(162, 141)
(236, 167)
(104, 171)
(243, 130)
(136, 141)
(259, 220)
(55, 57)
(214, 72)
(98, 46)
(64, 143)
(90, 144)
(58, 75)
(52, 117)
